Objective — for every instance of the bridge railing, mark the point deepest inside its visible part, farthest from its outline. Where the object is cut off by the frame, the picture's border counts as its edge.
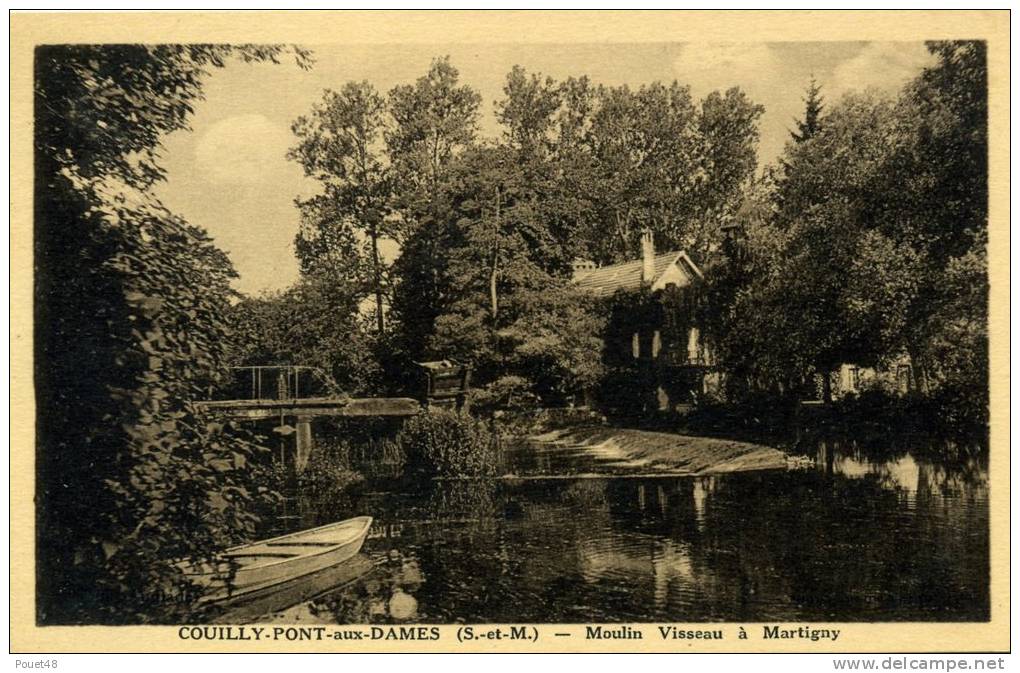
(278, 382)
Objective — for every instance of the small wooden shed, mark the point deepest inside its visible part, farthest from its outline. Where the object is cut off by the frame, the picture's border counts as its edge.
(446, 384)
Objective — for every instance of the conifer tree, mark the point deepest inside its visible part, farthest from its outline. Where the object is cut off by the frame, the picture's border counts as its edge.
(813, 106)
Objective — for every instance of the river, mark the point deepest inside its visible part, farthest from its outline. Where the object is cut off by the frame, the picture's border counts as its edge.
(902, 537)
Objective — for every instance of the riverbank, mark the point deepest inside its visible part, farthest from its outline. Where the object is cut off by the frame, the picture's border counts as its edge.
(668, 452)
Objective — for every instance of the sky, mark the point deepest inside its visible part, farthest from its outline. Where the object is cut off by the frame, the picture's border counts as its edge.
(229, 174)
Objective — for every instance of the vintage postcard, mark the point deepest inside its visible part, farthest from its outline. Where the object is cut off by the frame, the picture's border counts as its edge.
(510, 331)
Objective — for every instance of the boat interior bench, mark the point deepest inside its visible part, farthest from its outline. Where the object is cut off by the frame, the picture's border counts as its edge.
(281, 549)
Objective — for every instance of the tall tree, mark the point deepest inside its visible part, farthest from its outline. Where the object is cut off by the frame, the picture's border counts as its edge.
(500, 232)
(644, 144)
(505, 288)
(874, 240)
(814, 104)
(652, 158)
(339, 144)
(728, 128)
(129, 302)
(571, 209)
(836, 197)
(941, 209)
(527, 111)
(434, 120)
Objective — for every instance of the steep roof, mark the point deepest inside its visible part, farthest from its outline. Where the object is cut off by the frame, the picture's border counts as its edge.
(604, 281)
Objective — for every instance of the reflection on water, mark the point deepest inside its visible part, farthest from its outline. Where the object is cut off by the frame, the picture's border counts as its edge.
(857, 538)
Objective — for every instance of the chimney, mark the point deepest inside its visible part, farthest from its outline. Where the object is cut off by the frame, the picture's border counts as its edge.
(647, 257)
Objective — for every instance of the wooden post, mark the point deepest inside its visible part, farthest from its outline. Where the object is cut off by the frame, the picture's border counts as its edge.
(303, 443)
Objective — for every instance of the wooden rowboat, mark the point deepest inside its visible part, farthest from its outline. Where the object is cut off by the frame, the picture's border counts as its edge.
(257, 565)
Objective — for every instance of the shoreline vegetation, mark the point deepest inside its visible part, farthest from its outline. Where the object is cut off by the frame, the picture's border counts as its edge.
(444, 445)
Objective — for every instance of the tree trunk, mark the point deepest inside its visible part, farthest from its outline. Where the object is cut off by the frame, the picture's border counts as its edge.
(918, 382)
(923, 385)
(827, 387)
(621, 230)
(493, 296)
(377, 281)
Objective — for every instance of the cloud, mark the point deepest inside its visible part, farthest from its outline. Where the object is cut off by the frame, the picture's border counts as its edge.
(232, 177)
(886, 66)
(753, 66)
(775, 75)
(244, 149)
(759, 70)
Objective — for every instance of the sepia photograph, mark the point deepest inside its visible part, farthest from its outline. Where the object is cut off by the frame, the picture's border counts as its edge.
(666, 339)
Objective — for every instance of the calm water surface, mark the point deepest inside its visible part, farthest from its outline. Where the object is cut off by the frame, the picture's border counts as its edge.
(851, 539)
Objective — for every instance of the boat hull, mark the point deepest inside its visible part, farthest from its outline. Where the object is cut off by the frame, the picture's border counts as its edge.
(249, 568)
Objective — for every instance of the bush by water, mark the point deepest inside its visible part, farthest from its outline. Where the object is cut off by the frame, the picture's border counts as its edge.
(448, 443)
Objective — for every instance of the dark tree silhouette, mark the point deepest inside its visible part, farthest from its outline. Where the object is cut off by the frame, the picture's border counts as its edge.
(814, 104)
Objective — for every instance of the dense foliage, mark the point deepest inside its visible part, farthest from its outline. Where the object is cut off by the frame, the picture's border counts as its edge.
(315, 323)
(448, 443)
(487, 230)
(329, 476)
(870, 244)
(864, 244)
(130, 303)
(338, 147)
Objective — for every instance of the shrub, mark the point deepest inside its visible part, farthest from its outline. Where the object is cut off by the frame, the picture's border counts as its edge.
(625, 392)
(958, 408)
(448, 443)
(755, 416)
(507, 393)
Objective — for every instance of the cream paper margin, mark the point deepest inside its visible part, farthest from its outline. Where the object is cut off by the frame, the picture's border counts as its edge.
(369, 27)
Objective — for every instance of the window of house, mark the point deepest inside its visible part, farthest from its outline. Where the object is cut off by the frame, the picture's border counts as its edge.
(854, 378)
(635, 345)
(693, 345)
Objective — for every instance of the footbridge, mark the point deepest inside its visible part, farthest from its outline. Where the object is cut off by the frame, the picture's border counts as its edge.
(297, 394)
